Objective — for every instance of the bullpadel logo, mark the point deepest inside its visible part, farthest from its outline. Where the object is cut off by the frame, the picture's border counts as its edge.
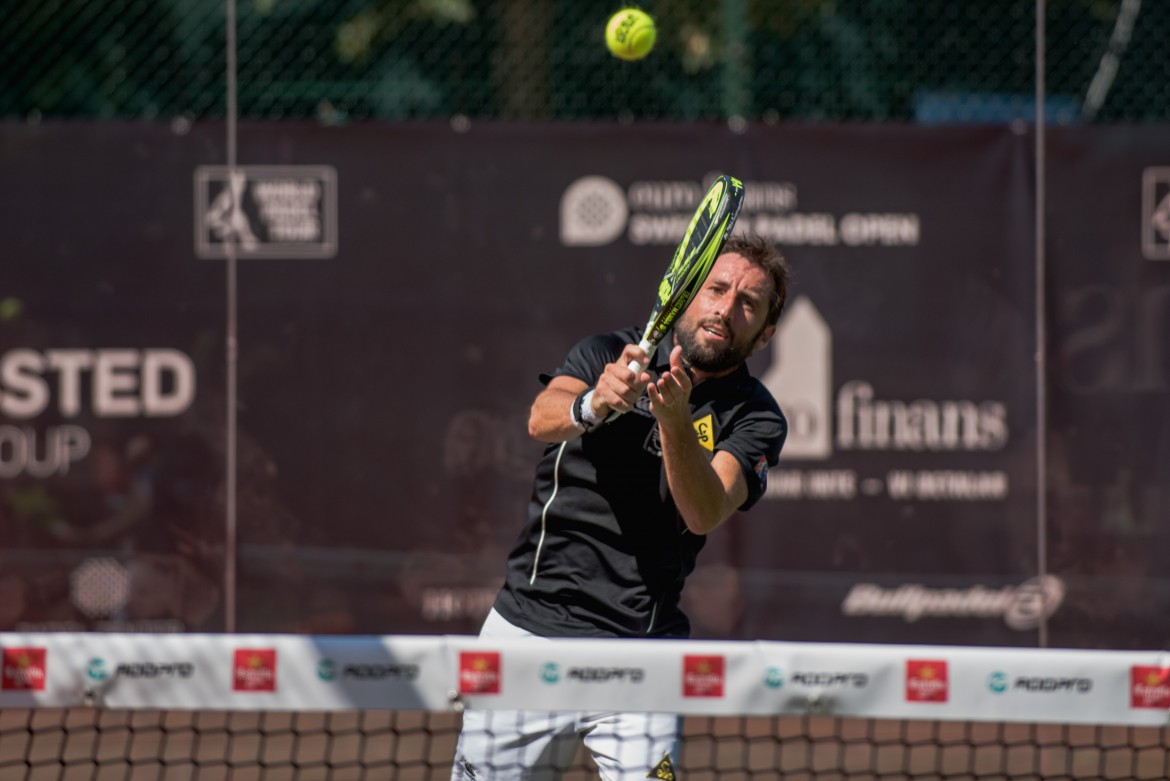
(1021, 607)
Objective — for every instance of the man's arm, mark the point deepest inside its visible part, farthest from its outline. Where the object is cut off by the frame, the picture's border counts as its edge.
(617, 388)
(549, 420)
(706, 490)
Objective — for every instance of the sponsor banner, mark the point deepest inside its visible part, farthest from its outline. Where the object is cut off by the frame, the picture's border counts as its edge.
(1052, 686)
(672, 676)
(435, 673)
(905, 363)
(794, 678)
(370, 672)
(1109, 370)
(215, 672)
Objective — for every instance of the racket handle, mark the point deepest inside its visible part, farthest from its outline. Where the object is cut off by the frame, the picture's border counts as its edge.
(636, 368)
(649, 348)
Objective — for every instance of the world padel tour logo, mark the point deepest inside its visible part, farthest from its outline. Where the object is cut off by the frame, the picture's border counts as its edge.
(703, 676)
(266, 211)
(926, 681)
(479, 672)
(254, 670)
(1156, 213)
(23, 669)
(1149, 687)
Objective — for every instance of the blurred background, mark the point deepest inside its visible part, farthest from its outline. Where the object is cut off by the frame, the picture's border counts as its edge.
(338, 61)
(434, 199)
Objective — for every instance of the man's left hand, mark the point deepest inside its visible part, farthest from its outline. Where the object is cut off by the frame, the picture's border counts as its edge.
(670, 394)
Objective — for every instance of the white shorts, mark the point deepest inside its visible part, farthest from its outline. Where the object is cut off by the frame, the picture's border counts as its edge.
(498, 745)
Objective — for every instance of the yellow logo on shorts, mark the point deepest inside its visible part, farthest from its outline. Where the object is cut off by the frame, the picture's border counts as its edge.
(705, 432)
(664, 770)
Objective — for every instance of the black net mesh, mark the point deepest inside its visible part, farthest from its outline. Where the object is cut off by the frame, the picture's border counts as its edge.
(770, 60)
(220, 746)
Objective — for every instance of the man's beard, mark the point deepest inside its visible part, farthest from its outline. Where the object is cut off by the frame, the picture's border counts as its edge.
(711, 358)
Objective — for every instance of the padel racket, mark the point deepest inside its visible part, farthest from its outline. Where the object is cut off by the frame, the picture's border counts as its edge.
(700, 246)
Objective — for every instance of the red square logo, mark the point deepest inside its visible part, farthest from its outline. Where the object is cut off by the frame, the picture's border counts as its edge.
(702, 676)
(1149, 687)
(926, 680)
(23, 668)
(254, 670)
(479, 672)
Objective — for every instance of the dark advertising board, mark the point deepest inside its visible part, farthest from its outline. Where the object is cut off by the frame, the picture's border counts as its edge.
(400, 287)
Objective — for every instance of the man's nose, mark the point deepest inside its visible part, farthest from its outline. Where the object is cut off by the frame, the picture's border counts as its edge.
(724, 303)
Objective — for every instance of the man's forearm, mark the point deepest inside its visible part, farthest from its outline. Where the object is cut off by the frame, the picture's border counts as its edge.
(705, 492)
(549, 419)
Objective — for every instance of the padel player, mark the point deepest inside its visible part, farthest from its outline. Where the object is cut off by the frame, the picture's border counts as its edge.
(622, 504)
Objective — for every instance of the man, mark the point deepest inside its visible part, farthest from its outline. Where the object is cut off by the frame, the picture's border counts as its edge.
(640, 467)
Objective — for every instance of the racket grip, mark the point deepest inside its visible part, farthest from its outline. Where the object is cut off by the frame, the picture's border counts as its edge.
(649, 348)
(636, 368)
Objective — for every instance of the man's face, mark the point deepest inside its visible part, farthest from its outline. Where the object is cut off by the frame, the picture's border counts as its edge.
(725, 323)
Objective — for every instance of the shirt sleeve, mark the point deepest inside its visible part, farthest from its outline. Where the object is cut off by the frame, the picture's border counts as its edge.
(755, 440)
(587, 360)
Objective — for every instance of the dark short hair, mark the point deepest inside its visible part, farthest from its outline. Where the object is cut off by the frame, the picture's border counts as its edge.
(767, 256)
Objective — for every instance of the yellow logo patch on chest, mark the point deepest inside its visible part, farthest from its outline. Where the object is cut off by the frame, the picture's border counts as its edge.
(705, 430)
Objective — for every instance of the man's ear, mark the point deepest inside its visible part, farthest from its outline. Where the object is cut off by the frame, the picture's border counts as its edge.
(764, 337)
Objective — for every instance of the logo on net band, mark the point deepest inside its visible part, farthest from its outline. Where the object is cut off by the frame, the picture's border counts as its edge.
(1149, 687)
(479, 672)
(926, 680)
(254, 670)
(703, 676)
(23, 669)
(1000, 682)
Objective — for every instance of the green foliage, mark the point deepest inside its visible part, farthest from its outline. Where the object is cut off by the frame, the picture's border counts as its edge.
(339, 60)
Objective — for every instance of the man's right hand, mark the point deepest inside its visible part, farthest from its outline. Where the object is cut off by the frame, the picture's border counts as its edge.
(619, 388)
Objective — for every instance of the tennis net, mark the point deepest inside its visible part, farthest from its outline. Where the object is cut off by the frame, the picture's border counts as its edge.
(232, 707)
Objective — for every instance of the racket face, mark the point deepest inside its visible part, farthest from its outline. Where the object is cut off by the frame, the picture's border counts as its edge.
(709, 228)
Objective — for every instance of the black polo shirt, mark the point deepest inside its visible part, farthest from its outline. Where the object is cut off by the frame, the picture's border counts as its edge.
(604, 552)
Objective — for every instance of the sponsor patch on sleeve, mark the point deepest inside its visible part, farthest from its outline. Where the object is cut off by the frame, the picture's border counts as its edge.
(762, 470)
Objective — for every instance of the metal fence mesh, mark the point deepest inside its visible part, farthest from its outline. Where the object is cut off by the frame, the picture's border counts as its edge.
(805, 60)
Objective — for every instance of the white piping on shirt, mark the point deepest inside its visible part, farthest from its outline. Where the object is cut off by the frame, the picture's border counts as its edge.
(544, 511)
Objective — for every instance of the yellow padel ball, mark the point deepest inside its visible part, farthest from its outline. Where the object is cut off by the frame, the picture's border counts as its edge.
(630, 34)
